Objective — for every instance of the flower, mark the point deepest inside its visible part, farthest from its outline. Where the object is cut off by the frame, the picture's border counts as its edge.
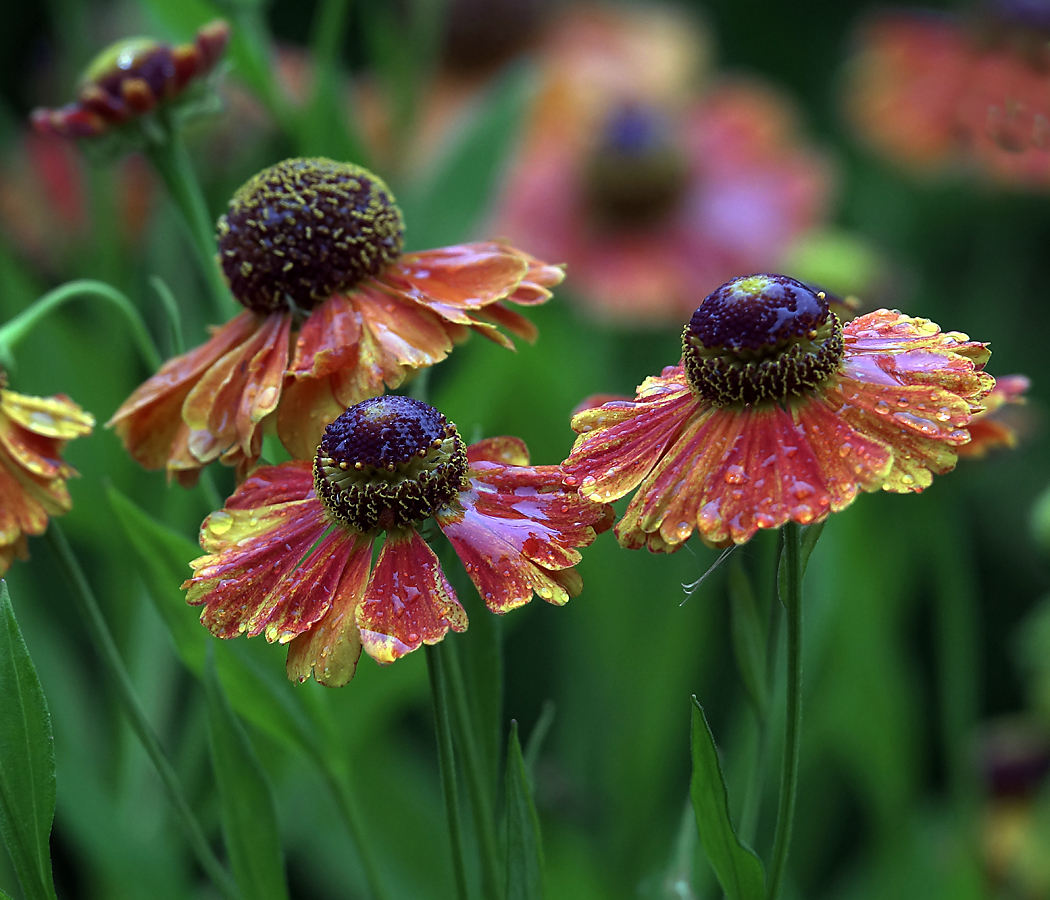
(932, 91)
(290, 553)
(33, 476)
(776, 413)
(334, 311)
(649, 190)
(990, 429)
(132, 78)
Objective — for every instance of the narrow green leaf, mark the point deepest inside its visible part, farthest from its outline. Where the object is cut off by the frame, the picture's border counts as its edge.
(27, 761)
(481, 656)
(536, 738)
(738, 869)
(524, 847)
(448, 208)
(249, 821)
(4, 896)
(163, 558)
(749, 636)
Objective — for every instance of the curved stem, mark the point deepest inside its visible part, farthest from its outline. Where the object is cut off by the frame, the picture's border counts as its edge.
(792, 733)
(110, 656)
(16, 329)
(447, 763)
(171, 161)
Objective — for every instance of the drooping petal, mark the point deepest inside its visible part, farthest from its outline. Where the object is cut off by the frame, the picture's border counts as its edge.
(21, 508)
(990, 430)
(247, 582)
(327, 340)
(621, 442)
(408, 601)
(331, 648)
(239, 390)
(466, 276)
(55, 417)
(517, 528)
(150, 420)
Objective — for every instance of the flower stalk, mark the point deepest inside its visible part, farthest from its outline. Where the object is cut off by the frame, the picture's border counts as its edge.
(792, 599)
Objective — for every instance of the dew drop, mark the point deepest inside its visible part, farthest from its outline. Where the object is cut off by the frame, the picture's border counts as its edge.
(589, 481)
(267, 398)
(735, 475)
(882, 406)
(844, 450)
(902, 402)
(220, 522)
(39, 417)
(683, 530)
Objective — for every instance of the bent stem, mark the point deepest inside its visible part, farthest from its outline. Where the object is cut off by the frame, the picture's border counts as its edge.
(446, 761)
(110, 656)
(168, 156)
(16, 329)
(789, 772)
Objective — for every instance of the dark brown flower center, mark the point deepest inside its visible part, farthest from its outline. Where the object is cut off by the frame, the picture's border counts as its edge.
(304, 229)
(763, 337)
(389, 462)
(635, 176)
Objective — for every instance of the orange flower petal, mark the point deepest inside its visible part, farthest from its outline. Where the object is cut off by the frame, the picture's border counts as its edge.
(55, 417)
(510, 451)
(150, 420)
(240, 389)
(466, 276)
(987, 430)
(406, 335)
(408, 601)
(10, 552)
(21, 509)
(516, 528)
(327, 340)
(331, 648)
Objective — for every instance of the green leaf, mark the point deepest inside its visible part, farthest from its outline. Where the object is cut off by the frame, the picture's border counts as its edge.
(749, 636)
(536, 738)
(27, 761)
(4, 896)
(524, 847)
(163, 558)
(481, 656)
(249, 821)
(738, 869)
(448, 208)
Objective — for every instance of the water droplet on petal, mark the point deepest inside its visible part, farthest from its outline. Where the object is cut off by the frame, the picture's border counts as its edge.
(220, 522)
(735, 475)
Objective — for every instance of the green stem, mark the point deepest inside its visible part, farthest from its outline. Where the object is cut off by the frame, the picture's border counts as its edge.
(447, 764)
(15, 330)
(481, 802)
(110, 656)
(347, 806)
(792, 733)
(756, 780)
(170, 159)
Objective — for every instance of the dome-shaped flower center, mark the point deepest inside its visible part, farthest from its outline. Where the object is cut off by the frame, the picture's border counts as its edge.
(635, 175)
(764, 337)
(304, 229)
(389, 462)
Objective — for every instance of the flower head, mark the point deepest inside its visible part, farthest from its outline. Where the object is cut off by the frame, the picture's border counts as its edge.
(334, 311)
(934, 91)
(290, 554)
(132, 78)
(778, 412)
(649, 189)
(33, 476)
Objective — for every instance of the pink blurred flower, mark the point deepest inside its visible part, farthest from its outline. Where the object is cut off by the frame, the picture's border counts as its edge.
(651, 191)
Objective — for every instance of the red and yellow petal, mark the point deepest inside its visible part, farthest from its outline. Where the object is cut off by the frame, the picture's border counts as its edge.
(246, 582)
(330, 649)
(327, 340)
(408, 601)
(517, 528)
(621, 442)
(25, 501)
(18, 549)
(150, 420)
(510, 451)
(58, 417)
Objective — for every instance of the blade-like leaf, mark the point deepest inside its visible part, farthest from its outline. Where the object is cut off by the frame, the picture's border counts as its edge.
(524, 847)
(448, 208)
(249, 822)
(749, 636)
(738, 869)
(27, 761)
(163, 559)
